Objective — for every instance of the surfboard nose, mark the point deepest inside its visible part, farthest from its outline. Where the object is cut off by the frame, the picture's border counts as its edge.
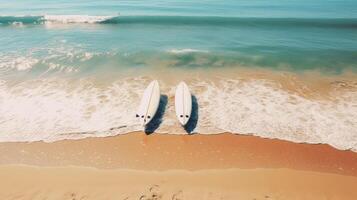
(183, 103)
(183, 119)
(149, 102)
(144, 121)
(182, 122)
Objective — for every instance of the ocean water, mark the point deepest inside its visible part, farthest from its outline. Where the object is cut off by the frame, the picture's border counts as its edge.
(74, 69)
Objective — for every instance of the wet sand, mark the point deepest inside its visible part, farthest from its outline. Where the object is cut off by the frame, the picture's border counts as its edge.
(189, 152)
(162, 166)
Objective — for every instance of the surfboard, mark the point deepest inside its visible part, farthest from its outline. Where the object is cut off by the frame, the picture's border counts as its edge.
(149, 103)
(183, 103)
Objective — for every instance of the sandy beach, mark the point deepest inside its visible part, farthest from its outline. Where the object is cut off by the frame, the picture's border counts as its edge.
(178, 100)
(87, 183)
(89, 150)
(161, 166)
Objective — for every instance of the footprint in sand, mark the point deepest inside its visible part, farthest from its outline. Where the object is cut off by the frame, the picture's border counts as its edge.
(154, 194)
(177, 196)
(265, 197)
(74, 196)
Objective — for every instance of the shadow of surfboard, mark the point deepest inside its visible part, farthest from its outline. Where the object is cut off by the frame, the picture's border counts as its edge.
(157, 119)
(192, 122)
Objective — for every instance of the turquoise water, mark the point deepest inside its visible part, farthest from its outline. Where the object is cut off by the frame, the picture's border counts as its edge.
(237, 8)
(295, 35)
(81, 66)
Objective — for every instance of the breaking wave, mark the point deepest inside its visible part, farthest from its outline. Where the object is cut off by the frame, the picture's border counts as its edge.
(185, 51)
(61, 19)
(180, 20)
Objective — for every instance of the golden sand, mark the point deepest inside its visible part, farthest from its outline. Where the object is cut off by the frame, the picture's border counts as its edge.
(70, 183)
(188, 152)
(161, 166)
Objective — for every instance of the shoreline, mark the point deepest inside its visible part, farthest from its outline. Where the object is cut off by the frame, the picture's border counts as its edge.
(160, 152)
(309, 106)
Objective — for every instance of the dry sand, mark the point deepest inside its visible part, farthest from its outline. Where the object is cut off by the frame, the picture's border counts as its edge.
(137, 166)
(21, 182)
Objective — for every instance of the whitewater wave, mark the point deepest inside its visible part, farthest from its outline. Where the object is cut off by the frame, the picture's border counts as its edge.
(19, 63)
(184, 51)
(55, 109)
(350, 23)
(57, 19)
(67, 19)
(58, 57)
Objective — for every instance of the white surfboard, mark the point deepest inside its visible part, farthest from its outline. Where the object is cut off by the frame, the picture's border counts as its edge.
(149, 103)
(183, 103)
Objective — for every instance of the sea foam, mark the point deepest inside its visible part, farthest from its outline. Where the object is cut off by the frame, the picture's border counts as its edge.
(55, 109)
(66, 19)
(186, 50)
(20, 63)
